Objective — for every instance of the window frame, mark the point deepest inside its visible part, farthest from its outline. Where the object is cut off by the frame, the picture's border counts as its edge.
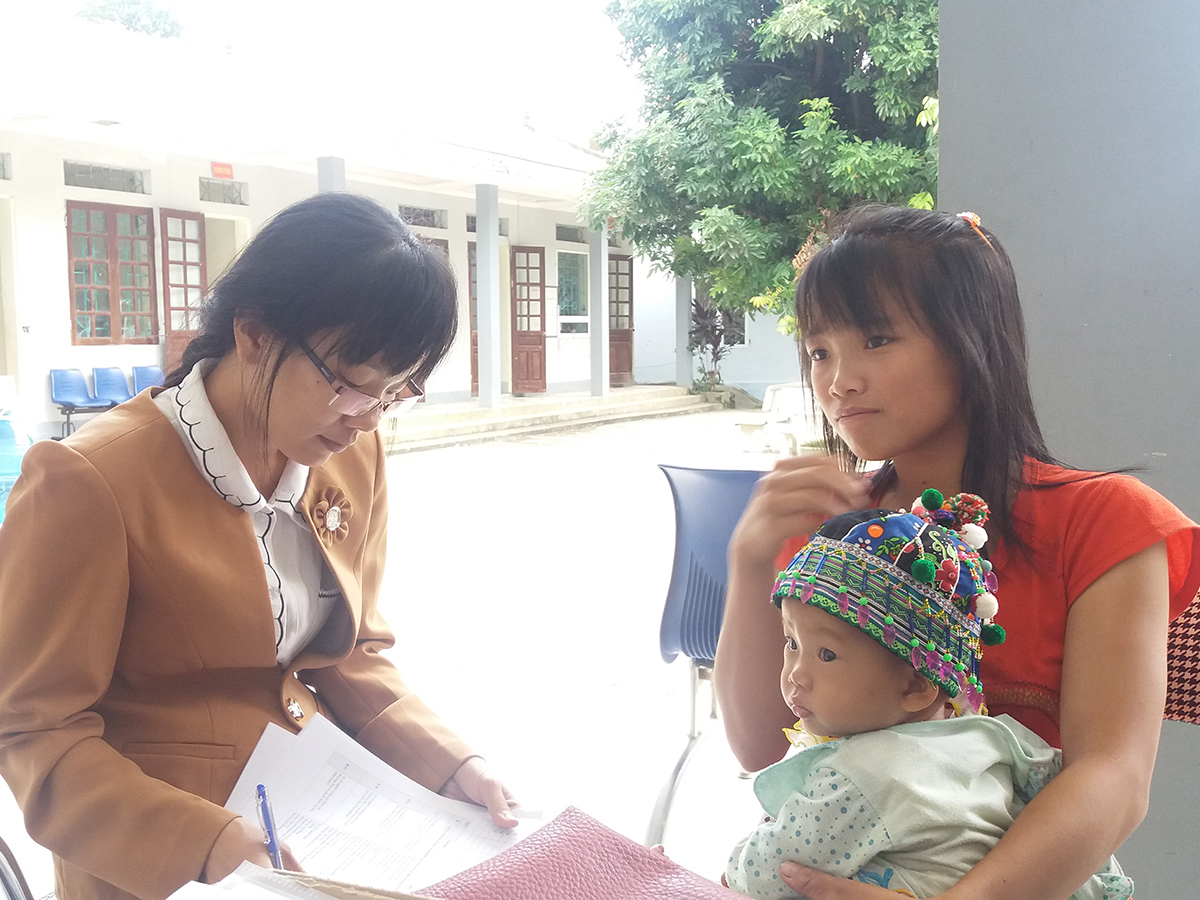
(585, 287)
(113, 261)
(223, 190)
(190, 311)
(423, 216)
(473, 284)
(139, 178)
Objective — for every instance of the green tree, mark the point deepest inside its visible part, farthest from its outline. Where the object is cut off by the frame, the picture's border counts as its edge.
(134, 15)
(761, 119)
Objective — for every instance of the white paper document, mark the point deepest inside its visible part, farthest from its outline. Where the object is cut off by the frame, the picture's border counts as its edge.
(249, 882)
(351, 817)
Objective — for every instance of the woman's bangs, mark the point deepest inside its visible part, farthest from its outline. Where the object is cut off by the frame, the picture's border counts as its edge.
(845, 287)
(407, 320)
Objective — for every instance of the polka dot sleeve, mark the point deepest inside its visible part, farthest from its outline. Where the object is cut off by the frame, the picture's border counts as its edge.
(828, 824)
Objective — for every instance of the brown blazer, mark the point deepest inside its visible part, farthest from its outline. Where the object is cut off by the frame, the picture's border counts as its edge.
(137, 650)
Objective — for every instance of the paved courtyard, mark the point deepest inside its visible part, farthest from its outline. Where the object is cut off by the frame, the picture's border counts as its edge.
(525, 583)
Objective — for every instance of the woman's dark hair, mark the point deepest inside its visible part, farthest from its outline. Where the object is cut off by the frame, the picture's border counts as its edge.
(960, 281)
(340, 263)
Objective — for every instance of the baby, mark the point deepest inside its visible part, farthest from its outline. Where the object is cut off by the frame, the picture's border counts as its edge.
(906, 782)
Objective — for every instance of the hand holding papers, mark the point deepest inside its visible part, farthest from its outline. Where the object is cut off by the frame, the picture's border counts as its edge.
(349, 816)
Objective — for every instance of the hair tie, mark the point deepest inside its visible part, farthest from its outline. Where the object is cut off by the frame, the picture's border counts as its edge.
(973, 220)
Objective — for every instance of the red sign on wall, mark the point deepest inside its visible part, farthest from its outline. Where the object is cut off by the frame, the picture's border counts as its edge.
(222, 170)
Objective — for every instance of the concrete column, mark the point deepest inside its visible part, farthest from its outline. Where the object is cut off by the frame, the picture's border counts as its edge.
(598, 310)
(331, 174)
(684, 374)
(487, 273)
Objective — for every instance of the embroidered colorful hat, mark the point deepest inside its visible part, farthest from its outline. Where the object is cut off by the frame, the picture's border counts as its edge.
(913, 581)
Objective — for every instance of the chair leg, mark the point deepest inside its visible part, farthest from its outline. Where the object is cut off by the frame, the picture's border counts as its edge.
(707, 675)
(662, 806)
(694, 678)
(12, 879)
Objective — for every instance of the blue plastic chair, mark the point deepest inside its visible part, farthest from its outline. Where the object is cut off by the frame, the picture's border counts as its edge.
(708, 504)
(146, 376)
(13, 444)
(69, 392)
(111, 385)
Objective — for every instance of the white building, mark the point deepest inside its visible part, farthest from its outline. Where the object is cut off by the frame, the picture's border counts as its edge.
(116, 215)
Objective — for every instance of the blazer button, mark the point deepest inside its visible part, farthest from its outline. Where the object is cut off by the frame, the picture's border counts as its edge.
(294, 709)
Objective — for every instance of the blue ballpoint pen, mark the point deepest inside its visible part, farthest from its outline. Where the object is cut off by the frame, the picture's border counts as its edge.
(266, 818)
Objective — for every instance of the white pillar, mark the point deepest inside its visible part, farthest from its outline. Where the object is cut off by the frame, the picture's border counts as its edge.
(598, 310)
(331, 174)
(487, 275)
(683, 324)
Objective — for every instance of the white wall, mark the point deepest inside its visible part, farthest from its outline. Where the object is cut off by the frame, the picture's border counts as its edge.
(653, 325)
(8, 309)
(39, 303)
(35, 318)
(766, 358)
(567, 355)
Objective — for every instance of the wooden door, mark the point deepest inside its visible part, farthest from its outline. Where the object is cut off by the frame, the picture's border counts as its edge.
(185, 279)
(620, 320)
(473, 294)
(528, 320)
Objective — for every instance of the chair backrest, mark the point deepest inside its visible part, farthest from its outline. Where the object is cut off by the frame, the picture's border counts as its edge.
(146, 376)
(111, 384)
(708, 504)
(8, 394)
(786, 400)
(1183, 666)
(1161, 855)
(68, 386)
(12, 881)
(13, 444)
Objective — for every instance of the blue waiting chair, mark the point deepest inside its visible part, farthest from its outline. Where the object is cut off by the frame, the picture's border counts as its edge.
(708, 504)
(146, 376)
(69, 392)
(13, 444)
(111, 385)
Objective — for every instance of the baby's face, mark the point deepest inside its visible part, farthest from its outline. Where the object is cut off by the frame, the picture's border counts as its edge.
(835, 679)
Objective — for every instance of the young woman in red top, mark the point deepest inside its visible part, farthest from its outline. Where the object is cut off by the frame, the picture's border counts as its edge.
(909, 319)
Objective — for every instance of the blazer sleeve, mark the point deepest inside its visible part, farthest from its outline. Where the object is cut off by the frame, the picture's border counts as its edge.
(64, 589)
(365, 693)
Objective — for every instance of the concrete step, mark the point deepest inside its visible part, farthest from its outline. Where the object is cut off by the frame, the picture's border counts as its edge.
(439, 425)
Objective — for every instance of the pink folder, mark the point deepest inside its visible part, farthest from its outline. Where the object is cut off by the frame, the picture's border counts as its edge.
(574, 857)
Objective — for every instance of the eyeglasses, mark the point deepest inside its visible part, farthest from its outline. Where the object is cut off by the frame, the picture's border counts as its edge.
(351, 402)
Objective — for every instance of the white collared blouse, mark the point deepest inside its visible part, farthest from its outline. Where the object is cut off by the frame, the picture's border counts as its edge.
(302, 589)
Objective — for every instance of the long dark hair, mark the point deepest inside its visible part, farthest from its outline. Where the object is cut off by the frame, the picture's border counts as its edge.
(961, 282)
(340, 263)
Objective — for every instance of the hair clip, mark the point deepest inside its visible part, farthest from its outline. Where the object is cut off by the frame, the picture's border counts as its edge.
(974, 221)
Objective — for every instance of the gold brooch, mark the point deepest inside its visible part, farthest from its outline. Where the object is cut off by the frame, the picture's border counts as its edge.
(331, 515)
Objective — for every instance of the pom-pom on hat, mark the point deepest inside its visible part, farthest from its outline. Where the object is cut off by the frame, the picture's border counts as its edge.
(912, 581)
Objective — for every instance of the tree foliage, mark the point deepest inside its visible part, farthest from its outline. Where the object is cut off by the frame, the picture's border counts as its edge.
(761, 118)
(134, 15)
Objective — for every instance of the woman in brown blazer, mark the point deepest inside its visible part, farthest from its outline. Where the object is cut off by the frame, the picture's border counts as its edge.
(207, 557)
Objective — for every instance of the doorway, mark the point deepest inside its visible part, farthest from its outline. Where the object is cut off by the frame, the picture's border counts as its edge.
(528, 320)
